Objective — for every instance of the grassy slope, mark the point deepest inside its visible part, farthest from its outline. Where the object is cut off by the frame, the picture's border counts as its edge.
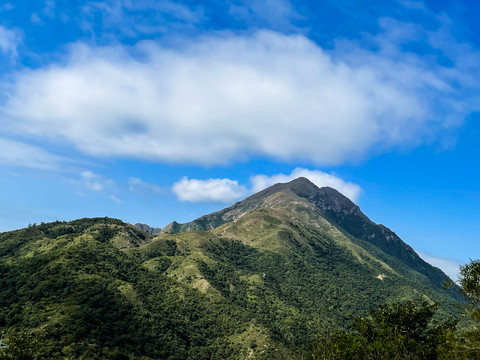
(293, 272)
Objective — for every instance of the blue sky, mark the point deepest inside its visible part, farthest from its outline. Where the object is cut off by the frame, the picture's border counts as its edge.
(154, 111)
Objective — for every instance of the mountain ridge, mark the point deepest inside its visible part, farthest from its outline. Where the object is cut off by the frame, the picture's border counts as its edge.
(334, 206)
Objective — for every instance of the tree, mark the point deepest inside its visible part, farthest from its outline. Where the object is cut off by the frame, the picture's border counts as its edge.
(468, 344)
(470, 284)
(397, 331)
(21, 347)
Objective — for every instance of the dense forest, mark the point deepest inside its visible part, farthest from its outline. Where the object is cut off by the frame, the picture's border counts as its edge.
(99, 288)
(409, 331)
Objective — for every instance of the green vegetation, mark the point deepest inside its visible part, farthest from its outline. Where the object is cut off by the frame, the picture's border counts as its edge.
(393, 332)
(71, 294)
(266, 285)
(99, 288)
(409, 331)
(23, 346)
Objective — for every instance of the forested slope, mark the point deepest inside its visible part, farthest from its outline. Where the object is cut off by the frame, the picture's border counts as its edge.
(266, 284)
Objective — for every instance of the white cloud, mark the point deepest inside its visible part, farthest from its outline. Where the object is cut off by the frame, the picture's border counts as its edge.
(227, 190)
(319, 178)
(15, 153)
(9, 40)
(211, 190)
(96, 182)
(449, 267)
(227, 97)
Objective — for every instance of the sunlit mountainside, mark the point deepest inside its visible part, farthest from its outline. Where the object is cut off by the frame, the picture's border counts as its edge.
(264, 277)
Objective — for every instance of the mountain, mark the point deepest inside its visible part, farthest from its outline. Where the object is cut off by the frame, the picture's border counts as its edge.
(332, 206)
(261, 279)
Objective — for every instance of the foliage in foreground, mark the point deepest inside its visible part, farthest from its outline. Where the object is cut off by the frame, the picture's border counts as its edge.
(21, 347)
(398, 331)
(409, 331)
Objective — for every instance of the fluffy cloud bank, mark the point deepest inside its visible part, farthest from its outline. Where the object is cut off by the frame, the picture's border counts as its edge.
(224, 98)
(211, 190)
(227, 190)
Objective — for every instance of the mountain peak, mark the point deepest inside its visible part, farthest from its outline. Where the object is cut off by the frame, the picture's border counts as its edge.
(301, 186)
(301, 182)
(325, 198)
(298, 186)
(330, 205)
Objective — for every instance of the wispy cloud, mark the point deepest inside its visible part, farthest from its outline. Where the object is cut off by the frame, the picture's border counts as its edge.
(49, 8)
(142, 188)
(210, 190)
(277, 15)
(448, 266)
(413, 5)
(118, 190)
(96, 182)
(156, 16)
(9, 40)
(35, 19)
(116, 199)
(6, 7)
(18, 154)
(319, 178)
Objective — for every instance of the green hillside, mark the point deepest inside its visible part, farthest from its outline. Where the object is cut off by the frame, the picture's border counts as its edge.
(325, 204)
(263, 284)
